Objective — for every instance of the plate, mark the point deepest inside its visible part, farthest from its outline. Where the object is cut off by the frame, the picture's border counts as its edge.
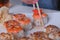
(52, 14)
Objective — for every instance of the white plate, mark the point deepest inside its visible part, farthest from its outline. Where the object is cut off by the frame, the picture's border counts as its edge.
(53, 15)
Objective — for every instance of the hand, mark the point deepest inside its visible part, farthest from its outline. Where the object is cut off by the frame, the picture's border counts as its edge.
(8, 5)
(29, 1)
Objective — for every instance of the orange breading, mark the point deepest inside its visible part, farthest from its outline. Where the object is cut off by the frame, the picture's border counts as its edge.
(12, 26)
(18, 16)
(24, 21)
(44, 15)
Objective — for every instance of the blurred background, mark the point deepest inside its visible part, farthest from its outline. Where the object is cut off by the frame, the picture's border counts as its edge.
(18, 2)
(58, 4)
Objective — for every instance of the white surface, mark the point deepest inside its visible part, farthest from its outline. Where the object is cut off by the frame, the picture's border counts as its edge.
(2, 28)
(54, 16)
(15, 2)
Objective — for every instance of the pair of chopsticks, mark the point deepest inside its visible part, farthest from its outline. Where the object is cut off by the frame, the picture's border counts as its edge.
(41, 20)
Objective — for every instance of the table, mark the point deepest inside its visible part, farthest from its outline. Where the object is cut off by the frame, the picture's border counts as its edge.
(53, 15)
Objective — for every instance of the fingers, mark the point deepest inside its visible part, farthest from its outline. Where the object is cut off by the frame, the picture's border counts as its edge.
(35, 1)
(29, 1)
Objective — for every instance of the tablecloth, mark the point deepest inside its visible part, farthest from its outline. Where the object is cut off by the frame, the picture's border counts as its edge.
(54, 16)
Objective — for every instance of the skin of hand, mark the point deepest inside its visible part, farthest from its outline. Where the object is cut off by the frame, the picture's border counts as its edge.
(8, 5)
(29, 1)
(0, 14)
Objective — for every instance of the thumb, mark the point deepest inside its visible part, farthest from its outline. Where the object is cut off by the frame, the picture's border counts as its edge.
(35, 1)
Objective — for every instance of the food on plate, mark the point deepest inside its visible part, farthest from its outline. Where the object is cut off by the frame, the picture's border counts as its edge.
(4, 14)
(6, 36)
(13, 26)
(45, 18)
(52, 29)
(39, 36)
(24, 21)
(36, 11)
(23, 38)
(34, 38)
(55, 36)
(37, 18)
(10, 23)
(19, 16)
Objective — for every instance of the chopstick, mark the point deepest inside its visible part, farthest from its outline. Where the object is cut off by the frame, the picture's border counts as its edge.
(41, 20)
(34, 9)
(33, 6)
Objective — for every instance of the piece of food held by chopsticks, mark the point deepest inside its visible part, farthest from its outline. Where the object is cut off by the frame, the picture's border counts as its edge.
(13, 26)
(24, 21)
(4, 14)
(38, 17)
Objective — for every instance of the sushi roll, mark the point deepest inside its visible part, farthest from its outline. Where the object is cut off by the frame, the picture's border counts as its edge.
(6, 36)
(57, 36)
(40, 36)
(26, 24)
(24, 21)
(51, 29)
(23, 38)
(4, 14)
(13, 27)
(45, 18)
(19, 16)
(37, 18)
